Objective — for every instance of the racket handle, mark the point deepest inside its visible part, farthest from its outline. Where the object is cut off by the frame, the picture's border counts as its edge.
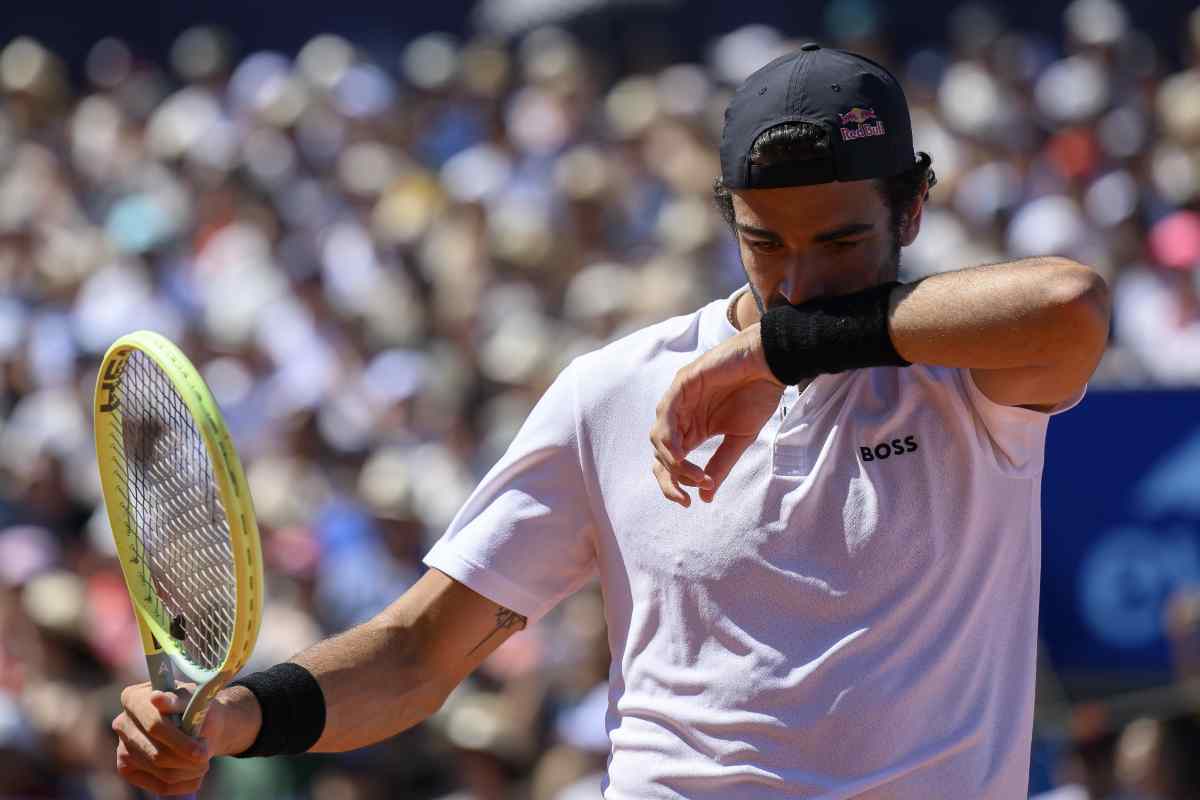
(162, 678)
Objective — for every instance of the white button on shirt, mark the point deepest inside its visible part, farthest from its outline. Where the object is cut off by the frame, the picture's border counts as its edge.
(855, 614)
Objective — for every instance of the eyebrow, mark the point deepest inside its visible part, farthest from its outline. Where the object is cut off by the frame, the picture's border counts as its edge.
(824, 236)
(761, 233)
(843, 231)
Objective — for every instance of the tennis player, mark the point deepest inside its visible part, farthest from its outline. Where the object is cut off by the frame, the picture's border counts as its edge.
(852, 609)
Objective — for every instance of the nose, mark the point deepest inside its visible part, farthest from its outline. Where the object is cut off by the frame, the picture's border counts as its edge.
(801, 282)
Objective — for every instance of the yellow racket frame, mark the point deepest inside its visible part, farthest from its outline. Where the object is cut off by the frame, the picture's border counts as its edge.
(154, 624)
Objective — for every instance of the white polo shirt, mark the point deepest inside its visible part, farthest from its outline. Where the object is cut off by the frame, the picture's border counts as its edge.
(855, 615)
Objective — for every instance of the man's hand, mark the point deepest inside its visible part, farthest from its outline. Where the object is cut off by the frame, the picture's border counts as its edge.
(729, 391)
(154, 754)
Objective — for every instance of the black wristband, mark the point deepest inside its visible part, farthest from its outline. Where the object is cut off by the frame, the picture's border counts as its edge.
(830, 334)
(293, 710)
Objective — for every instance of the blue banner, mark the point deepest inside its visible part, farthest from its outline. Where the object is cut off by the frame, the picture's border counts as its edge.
(1121, 530)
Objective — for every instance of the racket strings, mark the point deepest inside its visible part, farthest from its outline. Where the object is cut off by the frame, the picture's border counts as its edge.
(174, 507)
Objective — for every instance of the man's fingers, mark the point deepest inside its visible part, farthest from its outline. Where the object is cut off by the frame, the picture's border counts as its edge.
(147, 751)
(144, 780)
(666, 440)
(130, 760)
(141, 754)
(184, 788)
(152, 752)
(142, 708)
(722, 461)
(675, 416)
(671, 456)
(157, 785)
(150, 783)
(170, 702)
(166, 734)
(669, 486)
(683, 471)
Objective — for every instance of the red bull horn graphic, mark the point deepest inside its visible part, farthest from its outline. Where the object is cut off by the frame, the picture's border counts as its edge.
(861, 119)
(857, 115)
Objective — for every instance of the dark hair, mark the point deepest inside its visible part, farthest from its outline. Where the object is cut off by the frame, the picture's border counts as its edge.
(801, 141)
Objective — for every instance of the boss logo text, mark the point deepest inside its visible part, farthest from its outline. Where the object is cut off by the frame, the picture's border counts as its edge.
(896, 447)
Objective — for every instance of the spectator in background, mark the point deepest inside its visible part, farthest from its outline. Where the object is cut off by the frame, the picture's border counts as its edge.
(1156, 759)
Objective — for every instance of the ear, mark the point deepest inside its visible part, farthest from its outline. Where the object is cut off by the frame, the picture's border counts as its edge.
(911, 225)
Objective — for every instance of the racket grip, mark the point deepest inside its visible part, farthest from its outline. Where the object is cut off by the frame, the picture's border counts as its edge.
(162, 678)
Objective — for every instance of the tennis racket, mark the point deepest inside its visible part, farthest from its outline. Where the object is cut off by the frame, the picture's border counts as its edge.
(181, 516)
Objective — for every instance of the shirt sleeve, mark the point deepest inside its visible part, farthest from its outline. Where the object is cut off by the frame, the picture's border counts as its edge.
(1017, 434)
(525, 537)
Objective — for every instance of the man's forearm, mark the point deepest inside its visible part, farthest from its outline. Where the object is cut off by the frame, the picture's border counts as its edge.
(390, 673)
(1027, 313)
(372, 681)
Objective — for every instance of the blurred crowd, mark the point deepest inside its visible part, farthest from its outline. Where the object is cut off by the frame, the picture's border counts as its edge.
(380, 260)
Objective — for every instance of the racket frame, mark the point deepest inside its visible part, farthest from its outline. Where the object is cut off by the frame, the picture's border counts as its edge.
(154, 625)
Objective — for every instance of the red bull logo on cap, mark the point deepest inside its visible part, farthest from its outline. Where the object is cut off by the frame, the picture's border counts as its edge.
(857, 115)
(861, 119)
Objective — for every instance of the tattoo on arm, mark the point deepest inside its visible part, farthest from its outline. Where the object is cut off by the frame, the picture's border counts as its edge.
(505, 619)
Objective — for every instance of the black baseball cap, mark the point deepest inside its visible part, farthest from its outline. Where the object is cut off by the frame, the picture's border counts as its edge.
(858, 103)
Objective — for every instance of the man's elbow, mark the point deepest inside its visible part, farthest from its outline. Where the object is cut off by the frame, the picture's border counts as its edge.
(1081, 303)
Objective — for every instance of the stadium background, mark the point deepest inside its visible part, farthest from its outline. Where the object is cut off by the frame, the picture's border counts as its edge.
(381, 234)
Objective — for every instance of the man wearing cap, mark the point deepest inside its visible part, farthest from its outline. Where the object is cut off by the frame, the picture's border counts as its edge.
(853, 610)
